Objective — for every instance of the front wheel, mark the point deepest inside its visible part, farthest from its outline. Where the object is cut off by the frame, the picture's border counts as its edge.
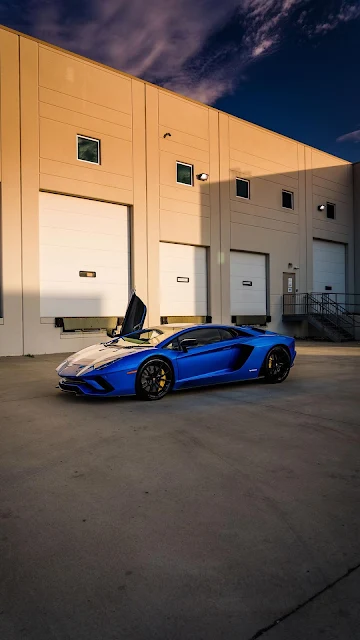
(154, 379)
(277, 365)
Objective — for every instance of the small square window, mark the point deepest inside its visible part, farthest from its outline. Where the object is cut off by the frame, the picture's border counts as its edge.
(88, 149)
(288, 199)
(184, 173)
(242, 188)
(330, 211)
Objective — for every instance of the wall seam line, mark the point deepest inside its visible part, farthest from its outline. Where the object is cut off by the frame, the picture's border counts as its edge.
(21, 207)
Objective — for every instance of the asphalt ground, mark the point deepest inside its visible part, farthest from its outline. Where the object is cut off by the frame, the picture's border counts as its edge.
(221, 513)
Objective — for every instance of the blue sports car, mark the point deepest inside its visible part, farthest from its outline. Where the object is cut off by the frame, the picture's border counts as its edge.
(151, 362)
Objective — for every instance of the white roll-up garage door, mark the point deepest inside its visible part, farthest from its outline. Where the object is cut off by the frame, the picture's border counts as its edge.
(183, 280)
(329, 267)
(247, 284)
(79, 235)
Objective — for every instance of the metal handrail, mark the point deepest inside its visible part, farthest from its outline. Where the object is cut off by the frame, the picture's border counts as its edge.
(323, 307)
(330, 308)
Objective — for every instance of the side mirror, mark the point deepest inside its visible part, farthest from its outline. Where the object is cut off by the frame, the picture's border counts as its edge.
(188, 343)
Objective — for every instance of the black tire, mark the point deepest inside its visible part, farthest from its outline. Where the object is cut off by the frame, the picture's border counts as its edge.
(154, 379)
(277, 365)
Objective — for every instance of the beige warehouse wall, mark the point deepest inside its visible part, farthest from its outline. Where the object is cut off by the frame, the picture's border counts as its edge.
(63, 95)
(78, 97)
(184, 210)
(139, 211)
(333, 182)
(11, 337)
(273, 163)
(356, 183)
(184, 214)
(260, 225)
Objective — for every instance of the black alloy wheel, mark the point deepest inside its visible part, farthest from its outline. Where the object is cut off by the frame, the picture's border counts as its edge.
(277, 365)
(154, 379)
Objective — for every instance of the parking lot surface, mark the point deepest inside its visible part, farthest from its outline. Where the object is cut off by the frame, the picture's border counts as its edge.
(228, 512)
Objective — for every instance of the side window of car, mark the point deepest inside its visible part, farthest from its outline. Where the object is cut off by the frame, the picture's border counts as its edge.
(243, 334)
(227, 334)
(202, 336)
(174, 345)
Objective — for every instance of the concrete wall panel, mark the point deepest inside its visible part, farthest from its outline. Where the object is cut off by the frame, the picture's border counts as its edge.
(85, 80)
(11, 331)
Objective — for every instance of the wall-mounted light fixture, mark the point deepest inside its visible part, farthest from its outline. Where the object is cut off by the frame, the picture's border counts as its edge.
(202, 176)
(289, 265)
(166, 135)
(321, 207)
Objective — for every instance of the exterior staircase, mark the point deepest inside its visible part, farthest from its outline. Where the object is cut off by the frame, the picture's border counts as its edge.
(333, 320)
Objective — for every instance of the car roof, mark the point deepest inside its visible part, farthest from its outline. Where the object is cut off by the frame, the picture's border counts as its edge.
(178, 325)
(174, 328)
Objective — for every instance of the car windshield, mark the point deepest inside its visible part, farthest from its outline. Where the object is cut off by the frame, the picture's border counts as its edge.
(145, 337)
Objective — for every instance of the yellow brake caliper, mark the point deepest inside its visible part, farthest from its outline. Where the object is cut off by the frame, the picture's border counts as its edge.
(271, 359)
(162, 379)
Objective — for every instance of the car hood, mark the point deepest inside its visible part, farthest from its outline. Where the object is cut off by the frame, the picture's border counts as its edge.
(98, 355)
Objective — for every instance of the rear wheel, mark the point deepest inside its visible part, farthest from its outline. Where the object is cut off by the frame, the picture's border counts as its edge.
(277, 365)
(154, 379)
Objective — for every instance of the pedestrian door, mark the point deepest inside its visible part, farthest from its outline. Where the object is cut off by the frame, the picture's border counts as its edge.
(289, 293)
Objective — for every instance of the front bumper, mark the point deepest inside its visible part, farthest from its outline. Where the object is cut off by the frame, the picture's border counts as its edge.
(115, 384)
(98, 386)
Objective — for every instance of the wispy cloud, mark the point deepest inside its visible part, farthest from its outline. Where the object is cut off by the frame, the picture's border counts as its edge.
(353, 136)
(196, 47)
(345, 13)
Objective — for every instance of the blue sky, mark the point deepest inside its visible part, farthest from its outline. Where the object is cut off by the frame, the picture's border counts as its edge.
(288, 65)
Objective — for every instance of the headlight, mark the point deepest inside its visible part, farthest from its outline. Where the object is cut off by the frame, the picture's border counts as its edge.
(62, 365)
(83, 370)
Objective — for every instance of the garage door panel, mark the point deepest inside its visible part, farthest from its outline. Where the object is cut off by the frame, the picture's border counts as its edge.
(245, 299)
(84, 289)
(170, 279)
(247, 259)
(250, 309)
(330, 274)
(249, 273)
(83, 235)
(255, 295)
(326, 260)
(187, 264)
(70, 274)
(85, 239)
(72, 222)
(81, 206)
(329, 265)
(183, 298)
(183, 307)
(201, 296)
(80, 303)
(54, 257)
(251, 296)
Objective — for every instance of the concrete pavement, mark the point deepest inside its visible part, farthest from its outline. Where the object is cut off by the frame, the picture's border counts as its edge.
(210, 514)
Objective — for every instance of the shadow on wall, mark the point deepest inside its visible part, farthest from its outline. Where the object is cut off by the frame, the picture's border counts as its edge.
(269, 218)
(83, 312)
